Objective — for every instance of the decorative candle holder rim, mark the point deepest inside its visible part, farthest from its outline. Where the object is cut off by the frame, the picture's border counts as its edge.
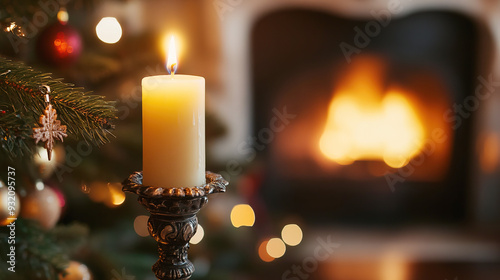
(173, 220)
(215, 184)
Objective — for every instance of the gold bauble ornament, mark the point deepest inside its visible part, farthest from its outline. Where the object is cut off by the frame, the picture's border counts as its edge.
(42, 205)
(8, 198)
(76, 271)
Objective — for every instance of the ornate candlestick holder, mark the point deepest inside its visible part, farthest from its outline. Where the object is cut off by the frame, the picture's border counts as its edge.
(173, 220)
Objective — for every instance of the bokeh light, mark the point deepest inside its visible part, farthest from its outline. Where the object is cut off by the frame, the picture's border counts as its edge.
(109, 30)
(110, 194)
(39, 185)
(117, 195)
(276, 248)
(63, 16)
(198, 236)
(292, 235)
(43, 156)
(263, 255)
(141, 225)
(242, 215)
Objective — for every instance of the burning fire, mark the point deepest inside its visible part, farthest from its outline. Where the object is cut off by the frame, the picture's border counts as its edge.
(363, 124)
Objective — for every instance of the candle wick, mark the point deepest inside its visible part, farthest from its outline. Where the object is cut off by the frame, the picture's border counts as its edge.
(172, 69)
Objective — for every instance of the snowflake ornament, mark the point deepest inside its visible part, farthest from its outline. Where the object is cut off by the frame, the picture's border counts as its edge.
(50, 130)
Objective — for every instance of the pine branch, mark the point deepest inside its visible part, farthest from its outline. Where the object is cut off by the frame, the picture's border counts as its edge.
(22, 102)
(42, 254)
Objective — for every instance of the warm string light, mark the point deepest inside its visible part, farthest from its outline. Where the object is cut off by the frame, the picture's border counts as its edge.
(274, 248)
(141, 225)
(62, 16)
(263, 252)
(292, 235)
(108, 193)
(198, 236)
(11, 27)
(242, 215)
(39, 185)
(14, 29)
(109, 30)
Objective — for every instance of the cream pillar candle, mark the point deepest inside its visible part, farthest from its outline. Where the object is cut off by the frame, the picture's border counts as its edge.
(173, 124)
(173, 120)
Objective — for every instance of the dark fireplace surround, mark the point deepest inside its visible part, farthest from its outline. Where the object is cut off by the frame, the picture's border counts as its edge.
(298, 59)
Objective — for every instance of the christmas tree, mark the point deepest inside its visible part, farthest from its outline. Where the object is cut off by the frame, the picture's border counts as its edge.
(36, 107)
(73, 220)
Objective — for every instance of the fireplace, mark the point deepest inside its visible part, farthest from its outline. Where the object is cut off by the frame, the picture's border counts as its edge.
(369, 123)
(382, 134)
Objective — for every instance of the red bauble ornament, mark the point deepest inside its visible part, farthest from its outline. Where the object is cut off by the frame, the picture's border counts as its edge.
(59, 44)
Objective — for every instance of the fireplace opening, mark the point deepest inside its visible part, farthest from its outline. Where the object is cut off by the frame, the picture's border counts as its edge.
(371, 125)
(377, 139)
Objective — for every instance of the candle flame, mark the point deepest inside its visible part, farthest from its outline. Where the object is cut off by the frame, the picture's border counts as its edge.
(172, 57)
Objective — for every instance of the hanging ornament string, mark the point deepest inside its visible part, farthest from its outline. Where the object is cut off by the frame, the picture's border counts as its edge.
(51, 128)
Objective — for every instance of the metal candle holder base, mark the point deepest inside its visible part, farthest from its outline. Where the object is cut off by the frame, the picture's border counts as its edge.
(173, 220)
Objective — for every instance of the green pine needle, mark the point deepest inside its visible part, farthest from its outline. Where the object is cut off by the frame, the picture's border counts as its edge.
(87, 117)
(41, 254)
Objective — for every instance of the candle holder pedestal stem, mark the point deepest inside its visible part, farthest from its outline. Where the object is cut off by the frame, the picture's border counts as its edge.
(173, 220)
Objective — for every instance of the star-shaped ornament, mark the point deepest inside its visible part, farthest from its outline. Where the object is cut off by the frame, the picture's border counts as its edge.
(50, 130)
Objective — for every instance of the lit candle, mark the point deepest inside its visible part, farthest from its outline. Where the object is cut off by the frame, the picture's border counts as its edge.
(173, 123)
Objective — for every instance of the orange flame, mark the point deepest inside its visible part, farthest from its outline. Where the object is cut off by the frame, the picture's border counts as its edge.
(363, 124)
